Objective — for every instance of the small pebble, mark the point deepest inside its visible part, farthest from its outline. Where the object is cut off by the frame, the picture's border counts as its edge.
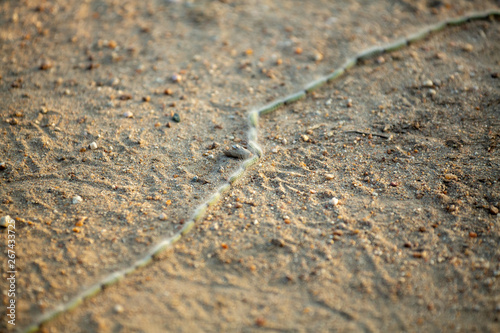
(114, 81)
(5, 221)
(3, 166)
(237, 151)
(80, 220)
(329, 176)
(77, 199)
(46, 64)
(428, 84)
(318, 57)
(305, 138)
(93, 146)
(128, 114)
(162, 216)
(176, 118)
(468, 47)
(278, 242)
(214, 145)
(118, 308)
(493, 210)
(125, 97)
(450, 176)
(334, 201)
(176, 78)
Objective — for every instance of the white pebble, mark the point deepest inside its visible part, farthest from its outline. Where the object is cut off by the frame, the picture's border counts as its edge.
(128, 114)
(162, 216)
(118, 308)
(5, 221)
(255, 222)
(428, 84)
(334, 201)
(93, 146)
(176, 78)
(77, 199)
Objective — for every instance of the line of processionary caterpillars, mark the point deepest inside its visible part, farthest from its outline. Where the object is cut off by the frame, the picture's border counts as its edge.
(253, 120)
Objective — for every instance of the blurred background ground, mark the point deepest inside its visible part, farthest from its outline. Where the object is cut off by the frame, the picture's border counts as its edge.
(375, 205)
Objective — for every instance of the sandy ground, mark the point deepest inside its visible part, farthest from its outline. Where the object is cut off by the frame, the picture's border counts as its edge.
(373, 209)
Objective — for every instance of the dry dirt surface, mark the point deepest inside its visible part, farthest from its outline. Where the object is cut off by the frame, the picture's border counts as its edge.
(373, 209)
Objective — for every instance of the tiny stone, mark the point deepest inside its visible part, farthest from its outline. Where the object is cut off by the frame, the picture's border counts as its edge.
(176, 78)
(441, 55)
(114, 81)
(237, 151)
(5, 220)
(118, 308)
(46, 64)
(93, 146)
(3, 166)
(146, 98)
(77, 199)
(305, 138)
(468, 47)
(334, 201)
(428, 84)
(162, 216)
(128, 114)
(450, 176)
(176, 118)
(214, 145)
(329, 176)
(318, 57)
(277, 242)
(125, 97)
(493, 210)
